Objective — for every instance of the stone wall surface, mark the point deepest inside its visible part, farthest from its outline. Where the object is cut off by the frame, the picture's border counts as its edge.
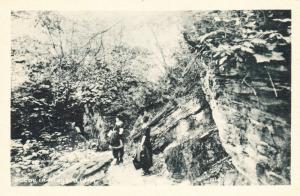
(253, 120)
(246, 80)
(192, 157)
(187, 141)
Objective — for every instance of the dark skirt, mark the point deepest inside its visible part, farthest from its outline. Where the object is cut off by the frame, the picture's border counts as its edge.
(146, 156)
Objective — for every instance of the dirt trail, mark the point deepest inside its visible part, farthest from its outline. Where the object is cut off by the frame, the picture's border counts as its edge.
(125, 174)
(85, 168)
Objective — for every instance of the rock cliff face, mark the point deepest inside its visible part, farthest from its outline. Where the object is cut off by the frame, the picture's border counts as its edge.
(187, 144)
(254, 127)
(246, 82)
(231, 135)
(191, 158)
(238, 132)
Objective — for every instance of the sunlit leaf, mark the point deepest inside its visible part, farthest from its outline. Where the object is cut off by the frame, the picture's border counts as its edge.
(222, 60)
(258, 41)
(275, 56)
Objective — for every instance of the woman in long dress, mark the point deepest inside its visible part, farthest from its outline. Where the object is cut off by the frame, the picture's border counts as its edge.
(146, 158)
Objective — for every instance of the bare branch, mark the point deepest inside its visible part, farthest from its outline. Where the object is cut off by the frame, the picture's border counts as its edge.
(51, 38)
(190, 65)
(60, 45)
(100, 46)
(272, 83)
(249, 85)
(159, 47)
(100, 33)
(85, 55)
(92, 38)
(20, 15)
(71, 52)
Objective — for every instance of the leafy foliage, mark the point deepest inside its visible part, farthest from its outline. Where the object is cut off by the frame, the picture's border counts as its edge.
(182, 78)
(233, 40)
(72, 69)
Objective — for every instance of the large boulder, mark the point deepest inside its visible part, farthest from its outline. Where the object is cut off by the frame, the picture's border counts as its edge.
(82, 170)
(191, 158)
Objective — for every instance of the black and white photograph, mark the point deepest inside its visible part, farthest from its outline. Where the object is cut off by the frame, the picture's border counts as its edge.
(150, 98)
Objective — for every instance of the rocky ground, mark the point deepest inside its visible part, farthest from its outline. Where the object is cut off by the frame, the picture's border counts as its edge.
(84, 167)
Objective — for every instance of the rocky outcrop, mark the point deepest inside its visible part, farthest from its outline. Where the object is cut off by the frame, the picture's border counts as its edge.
(253, 120)
(191, 158)
(76, 167)
(180, 123)
(222, 172)
(96, 127)
(238, 134)
(188, 118)
(186, 140)
(245, 74)
(87, 171)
